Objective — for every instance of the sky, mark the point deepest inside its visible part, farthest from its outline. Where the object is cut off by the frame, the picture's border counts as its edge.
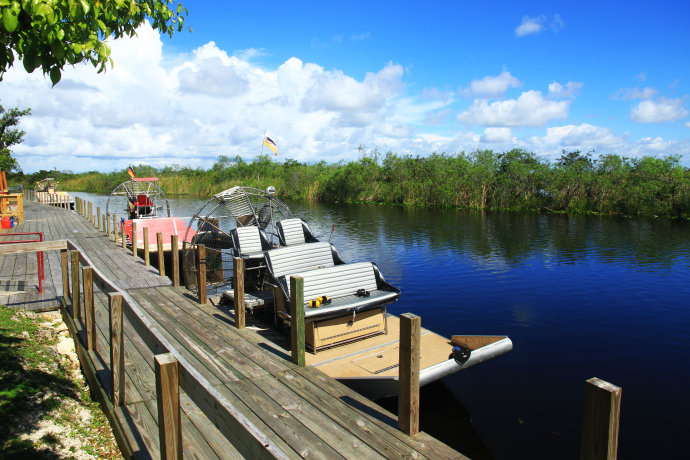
(330, 80)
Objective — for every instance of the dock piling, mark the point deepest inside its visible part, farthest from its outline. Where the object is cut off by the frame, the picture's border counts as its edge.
(408, 380)
(600, 421)
(297, 345)
(175, 260)
(161, 254)
(65, 274)
(117, 352)
(115, 227)
(134, 238)
(238, 285)
(107, 224)
(76, 303)
(89, 312)
(98, 217)
(147, 261)
(168, 400)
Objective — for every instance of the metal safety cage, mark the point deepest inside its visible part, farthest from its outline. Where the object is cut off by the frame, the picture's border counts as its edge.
(213, 225)
(138, 198)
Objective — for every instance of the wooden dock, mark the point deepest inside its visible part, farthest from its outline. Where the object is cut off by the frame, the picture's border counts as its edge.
(141, 340)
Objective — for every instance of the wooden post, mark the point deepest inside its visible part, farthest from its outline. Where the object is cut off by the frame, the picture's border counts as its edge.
(98, 216)
(175, 260)
(297, 320)
(238, 285)
(201, 269)
(168, 399)
(76, 303)
(147, 262)
(89, 313)
(408, 377)
(124, 236)
(161, 254)
(115, 227)
(65, 274)
(107, 224)
(601, 420)
(117, 351)
(134, 239)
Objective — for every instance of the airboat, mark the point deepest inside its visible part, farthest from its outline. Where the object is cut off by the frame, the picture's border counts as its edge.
(46, 191)
(48, 185)
(142, 202)
(349, 332)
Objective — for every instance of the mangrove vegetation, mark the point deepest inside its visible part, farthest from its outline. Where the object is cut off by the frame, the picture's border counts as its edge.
(515, 180)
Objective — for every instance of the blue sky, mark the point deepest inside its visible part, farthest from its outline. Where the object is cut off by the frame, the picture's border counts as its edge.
(409, 77)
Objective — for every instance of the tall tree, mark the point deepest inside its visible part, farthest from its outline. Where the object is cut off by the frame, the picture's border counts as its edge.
(51, 33)
(10, 136)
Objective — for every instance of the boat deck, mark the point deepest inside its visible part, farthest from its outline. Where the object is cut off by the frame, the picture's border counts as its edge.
(300, 412)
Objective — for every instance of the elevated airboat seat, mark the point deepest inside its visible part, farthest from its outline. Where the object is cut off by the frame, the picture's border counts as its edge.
(294, 231)
(250, 242)
(143, 205)
(324, 273)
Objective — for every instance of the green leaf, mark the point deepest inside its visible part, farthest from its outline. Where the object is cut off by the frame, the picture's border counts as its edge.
(55, 75)
(85, 6)
(9, 20)
(43, 10)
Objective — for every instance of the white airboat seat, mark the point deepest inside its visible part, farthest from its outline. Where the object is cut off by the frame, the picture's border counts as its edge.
(324, 273)
(294, 231)
(250, 242)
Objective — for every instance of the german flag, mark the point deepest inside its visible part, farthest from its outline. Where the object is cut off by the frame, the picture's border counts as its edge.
(130, 171)
(268, 142)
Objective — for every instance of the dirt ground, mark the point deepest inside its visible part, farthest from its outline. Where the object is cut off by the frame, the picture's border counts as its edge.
(44, 397)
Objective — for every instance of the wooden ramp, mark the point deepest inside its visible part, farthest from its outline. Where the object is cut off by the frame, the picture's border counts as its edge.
(240, 396)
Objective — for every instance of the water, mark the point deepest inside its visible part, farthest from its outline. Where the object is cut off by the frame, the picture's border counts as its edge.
(579, 296)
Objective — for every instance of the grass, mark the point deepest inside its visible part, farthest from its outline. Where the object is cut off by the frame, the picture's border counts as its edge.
(45, 406)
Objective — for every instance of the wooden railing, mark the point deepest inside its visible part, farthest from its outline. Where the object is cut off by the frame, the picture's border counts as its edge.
(173, 371)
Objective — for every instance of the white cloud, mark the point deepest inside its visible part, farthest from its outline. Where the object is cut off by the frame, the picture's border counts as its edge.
(579, 136)
(530, 109)
(493, 86)
(188, 109)
(658, 111)
(205, 104)
(631, 94)
(497, 135)
(530, 26)
(556, 90)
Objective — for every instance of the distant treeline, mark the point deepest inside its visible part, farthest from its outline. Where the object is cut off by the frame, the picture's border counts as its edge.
(514, 180)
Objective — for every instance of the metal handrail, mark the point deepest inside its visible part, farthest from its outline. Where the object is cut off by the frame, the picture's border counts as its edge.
(39, 254)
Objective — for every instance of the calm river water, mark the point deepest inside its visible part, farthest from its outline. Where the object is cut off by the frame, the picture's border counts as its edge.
(579, 296)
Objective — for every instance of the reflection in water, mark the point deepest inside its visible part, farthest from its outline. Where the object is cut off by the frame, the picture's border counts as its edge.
(580, 296)
(444, 417)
